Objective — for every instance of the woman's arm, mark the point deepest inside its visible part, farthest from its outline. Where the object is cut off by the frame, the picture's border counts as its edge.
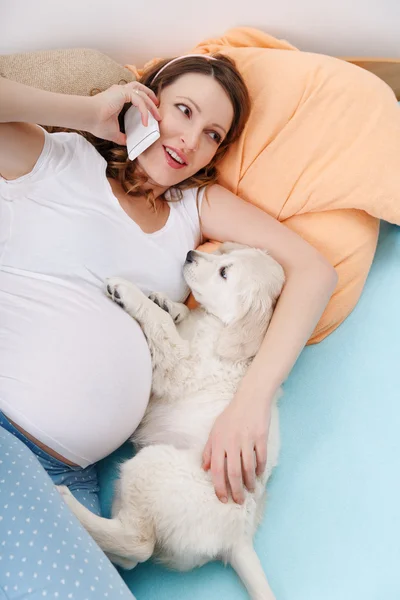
(23, 103)
(21, 106)
(310, 282)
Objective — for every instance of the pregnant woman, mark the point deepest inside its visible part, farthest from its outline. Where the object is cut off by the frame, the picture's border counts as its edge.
(75, 370)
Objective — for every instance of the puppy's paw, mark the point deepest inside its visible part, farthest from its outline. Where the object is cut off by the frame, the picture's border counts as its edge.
(177, 311)
(63, 490)
(66, 494)
(125, 563)
(114, 287)
(73, 504)
(124, 293)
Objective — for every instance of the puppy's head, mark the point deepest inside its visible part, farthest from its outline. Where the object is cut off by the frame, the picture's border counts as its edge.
(239, 285)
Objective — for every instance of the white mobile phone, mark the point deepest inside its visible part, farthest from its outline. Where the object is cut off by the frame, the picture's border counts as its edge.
(139, 137)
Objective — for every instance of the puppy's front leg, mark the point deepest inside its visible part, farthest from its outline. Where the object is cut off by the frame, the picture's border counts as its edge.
(166, 346)
(177, 310)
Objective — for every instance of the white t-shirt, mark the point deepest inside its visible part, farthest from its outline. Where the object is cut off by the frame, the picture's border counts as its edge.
(75, 370)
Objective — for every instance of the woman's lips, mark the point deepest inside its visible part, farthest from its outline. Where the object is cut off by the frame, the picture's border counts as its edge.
(172, 162)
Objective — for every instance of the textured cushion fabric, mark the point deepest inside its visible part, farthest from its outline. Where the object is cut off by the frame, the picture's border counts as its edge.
(81, 71)
(332, 523)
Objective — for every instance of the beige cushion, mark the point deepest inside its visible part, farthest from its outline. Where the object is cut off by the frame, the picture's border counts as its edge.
(80, 71)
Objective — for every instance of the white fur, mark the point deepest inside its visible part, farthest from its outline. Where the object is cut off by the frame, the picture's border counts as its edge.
(165, 502)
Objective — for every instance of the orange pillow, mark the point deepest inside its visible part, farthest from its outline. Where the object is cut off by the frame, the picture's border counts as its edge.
(320, 153)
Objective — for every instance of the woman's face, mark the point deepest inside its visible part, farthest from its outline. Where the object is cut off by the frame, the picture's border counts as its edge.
(196, 115)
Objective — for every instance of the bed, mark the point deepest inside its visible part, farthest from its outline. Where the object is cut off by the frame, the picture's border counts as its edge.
(332, 527)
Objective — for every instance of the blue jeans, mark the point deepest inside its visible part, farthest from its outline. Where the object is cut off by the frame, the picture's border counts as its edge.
(44, 551)
(81, 481)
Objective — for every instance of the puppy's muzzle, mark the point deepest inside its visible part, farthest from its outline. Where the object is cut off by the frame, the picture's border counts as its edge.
(190, 257)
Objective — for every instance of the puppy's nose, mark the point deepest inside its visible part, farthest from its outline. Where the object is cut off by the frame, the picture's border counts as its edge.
(190, 256)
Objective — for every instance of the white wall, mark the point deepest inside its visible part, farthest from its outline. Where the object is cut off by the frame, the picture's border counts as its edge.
(136, 30)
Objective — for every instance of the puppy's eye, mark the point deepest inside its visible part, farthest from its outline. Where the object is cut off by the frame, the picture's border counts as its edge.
(222, 272)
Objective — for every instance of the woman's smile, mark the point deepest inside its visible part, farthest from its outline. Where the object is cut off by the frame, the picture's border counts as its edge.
(175, 158)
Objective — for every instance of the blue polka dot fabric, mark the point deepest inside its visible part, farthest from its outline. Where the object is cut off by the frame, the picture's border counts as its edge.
(44, 551)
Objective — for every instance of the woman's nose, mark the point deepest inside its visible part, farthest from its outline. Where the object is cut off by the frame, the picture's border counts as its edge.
(191, 140)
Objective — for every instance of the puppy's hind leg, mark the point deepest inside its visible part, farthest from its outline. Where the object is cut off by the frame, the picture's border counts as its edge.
(125, 543)
(125, 563)
(247, 565)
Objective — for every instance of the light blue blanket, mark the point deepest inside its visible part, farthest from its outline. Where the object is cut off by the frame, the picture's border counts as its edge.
(332, 523)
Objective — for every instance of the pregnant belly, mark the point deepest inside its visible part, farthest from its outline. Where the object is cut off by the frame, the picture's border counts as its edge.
(75, 369)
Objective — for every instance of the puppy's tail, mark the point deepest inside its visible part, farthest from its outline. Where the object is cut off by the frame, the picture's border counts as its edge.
(247, 565)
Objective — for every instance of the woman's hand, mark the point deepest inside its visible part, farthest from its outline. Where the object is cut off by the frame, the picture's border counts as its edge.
(107, 105)
(97, 114)
(236, 451)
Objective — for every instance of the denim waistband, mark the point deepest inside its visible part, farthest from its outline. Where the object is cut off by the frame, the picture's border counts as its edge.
(49, 460)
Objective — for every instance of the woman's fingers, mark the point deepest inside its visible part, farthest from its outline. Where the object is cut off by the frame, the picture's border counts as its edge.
(233, 470)
(261, 455)
(235, 476)
(218, 473)
(145, 100)
(249, 467)
(147, 91)
(141, 106)
(207, 455)
(145, 105)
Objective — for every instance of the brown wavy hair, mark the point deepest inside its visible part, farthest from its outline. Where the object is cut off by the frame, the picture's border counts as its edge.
(127, 172)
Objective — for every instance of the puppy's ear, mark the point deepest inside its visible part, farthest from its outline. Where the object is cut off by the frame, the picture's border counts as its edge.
(227, 247)
(242, 338)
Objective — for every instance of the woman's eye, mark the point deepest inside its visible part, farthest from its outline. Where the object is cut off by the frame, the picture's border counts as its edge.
(222, 272)
(215, 136)
(185, 109)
